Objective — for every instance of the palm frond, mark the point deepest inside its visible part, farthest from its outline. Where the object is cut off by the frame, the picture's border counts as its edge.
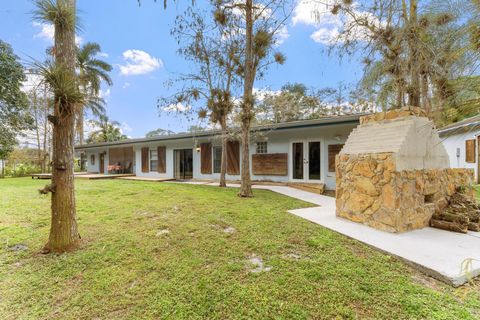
(96, 105)
(56, 12)
(63, 83)
(88, 50)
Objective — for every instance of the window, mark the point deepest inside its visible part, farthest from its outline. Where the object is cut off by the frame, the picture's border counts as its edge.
(153, 160)
(333, 150)
(92, 159)
(262, 147)
(217, 159)
(470, 151)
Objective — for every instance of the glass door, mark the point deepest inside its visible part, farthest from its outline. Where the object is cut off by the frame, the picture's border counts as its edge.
(183, 168)
(298, 162)
(313, 163)
(306, 161)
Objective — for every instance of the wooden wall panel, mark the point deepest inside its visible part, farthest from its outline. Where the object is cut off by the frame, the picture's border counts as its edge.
(145, 158)
(115, 155)
(333, 150)
(233, 158)
(206, 158)
(470, 151)
(162, 160)
(122, 155)
(270, 164)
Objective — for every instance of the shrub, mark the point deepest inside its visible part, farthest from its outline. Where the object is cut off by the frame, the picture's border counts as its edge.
(22, 170)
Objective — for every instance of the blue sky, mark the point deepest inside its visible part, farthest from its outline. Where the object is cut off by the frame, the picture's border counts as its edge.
(137, 42)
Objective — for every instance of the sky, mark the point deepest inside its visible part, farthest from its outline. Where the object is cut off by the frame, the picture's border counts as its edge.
(136, 41)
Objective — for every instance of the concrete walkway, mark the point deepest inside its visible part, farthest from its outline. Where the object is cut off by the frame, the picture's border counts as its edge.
(438, 253)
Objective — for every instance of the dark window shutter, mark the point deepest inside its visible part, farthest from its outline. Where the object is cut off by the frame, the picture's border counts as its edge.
(206, 158)
(162, 160)
(470, 151)
(333, 150)
(145, 166)
(233, 158)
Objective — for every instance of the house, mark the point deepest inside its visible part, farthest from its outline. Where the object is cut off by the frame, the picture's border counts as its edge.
(462, 140)
(299, 151)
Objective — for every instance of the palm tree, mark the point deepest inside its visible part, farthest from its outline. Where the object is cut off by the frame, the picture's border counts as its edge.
(108, 131)
(61, 77)
(92, 71)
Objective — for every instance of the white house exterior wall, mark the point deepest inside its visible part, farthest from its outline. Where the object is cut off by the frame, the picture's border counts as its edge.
(278, 141)
(455, 141)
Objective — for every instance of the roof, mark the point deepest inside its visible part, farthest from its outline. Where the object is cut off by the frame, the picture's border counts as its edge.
(324, 121)
(461, 126)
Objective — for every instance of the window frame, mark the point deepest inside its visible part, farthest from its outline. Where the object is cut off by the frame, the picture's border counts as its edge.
(150, 160)
(92, 159)
(214, 148)
(261, 147)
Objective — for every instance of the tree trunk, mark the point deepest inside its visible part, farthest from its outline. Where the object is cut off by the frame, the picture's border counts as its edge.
(46, 153)
(223, 165)
(414, 57)
(425, 98)
(80, 128)
(64, 235)
(3, 168)
(246, 185)
(37, 128)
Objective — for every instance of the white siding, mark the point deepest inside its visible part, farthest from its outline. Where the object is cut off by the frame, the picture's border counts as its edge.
(96, 166)
(455, 141)
(279, 141)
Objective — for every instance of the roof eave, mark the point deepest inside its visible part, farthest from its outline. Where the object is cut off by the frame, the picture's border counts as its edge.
(283, 126)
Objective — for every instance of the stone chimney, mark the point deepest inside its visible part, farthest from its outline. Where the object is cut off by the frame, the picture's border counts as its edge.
(393, 172)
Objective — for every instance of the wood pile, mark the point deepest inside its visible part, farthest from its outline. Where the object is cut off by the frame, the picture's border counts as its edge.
(461, 215)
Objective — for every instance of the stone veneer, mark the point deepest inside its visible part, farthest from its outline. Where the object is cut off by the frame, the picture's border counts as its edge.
(375, 189)
(372, 192)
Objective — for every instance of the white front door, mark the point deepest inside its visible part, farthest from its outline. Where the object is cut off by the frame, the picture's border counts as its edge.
(305, 161)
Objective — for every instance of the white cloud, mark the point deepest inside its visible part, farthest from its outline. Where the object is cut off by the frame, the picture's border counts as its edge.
(139, 62)
(33, 82)
(261, 94)
(177, 107)
(104, 93)
(281, 35)
(47, 32)
(89, 127)
(329, 26)
(126, 85)
(325, 36)
(103, 54)
(124, 127)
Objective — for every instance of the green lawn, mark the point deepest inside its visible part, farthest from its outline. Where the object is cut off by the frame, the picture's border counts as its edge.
(129, 269)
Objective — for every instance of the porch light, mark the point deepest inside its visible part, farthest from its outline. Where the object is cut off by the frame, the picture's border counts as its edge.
(197, 148)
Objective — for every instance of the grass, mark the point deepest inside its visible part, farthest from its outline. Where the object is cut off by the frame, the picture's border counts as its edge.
(126, 269)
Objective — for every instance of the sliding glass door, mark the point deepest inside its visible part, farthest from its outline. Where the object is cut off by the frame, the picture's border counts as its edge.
(183, 168)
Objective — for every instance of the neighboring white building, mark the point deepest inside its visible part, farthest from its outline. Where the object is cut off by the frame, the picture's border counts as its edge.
(299, 151)
(462, 141)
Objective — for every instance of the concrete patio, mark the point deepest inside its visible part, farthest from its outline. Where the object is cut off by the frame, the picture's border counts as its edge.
(440, 254)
